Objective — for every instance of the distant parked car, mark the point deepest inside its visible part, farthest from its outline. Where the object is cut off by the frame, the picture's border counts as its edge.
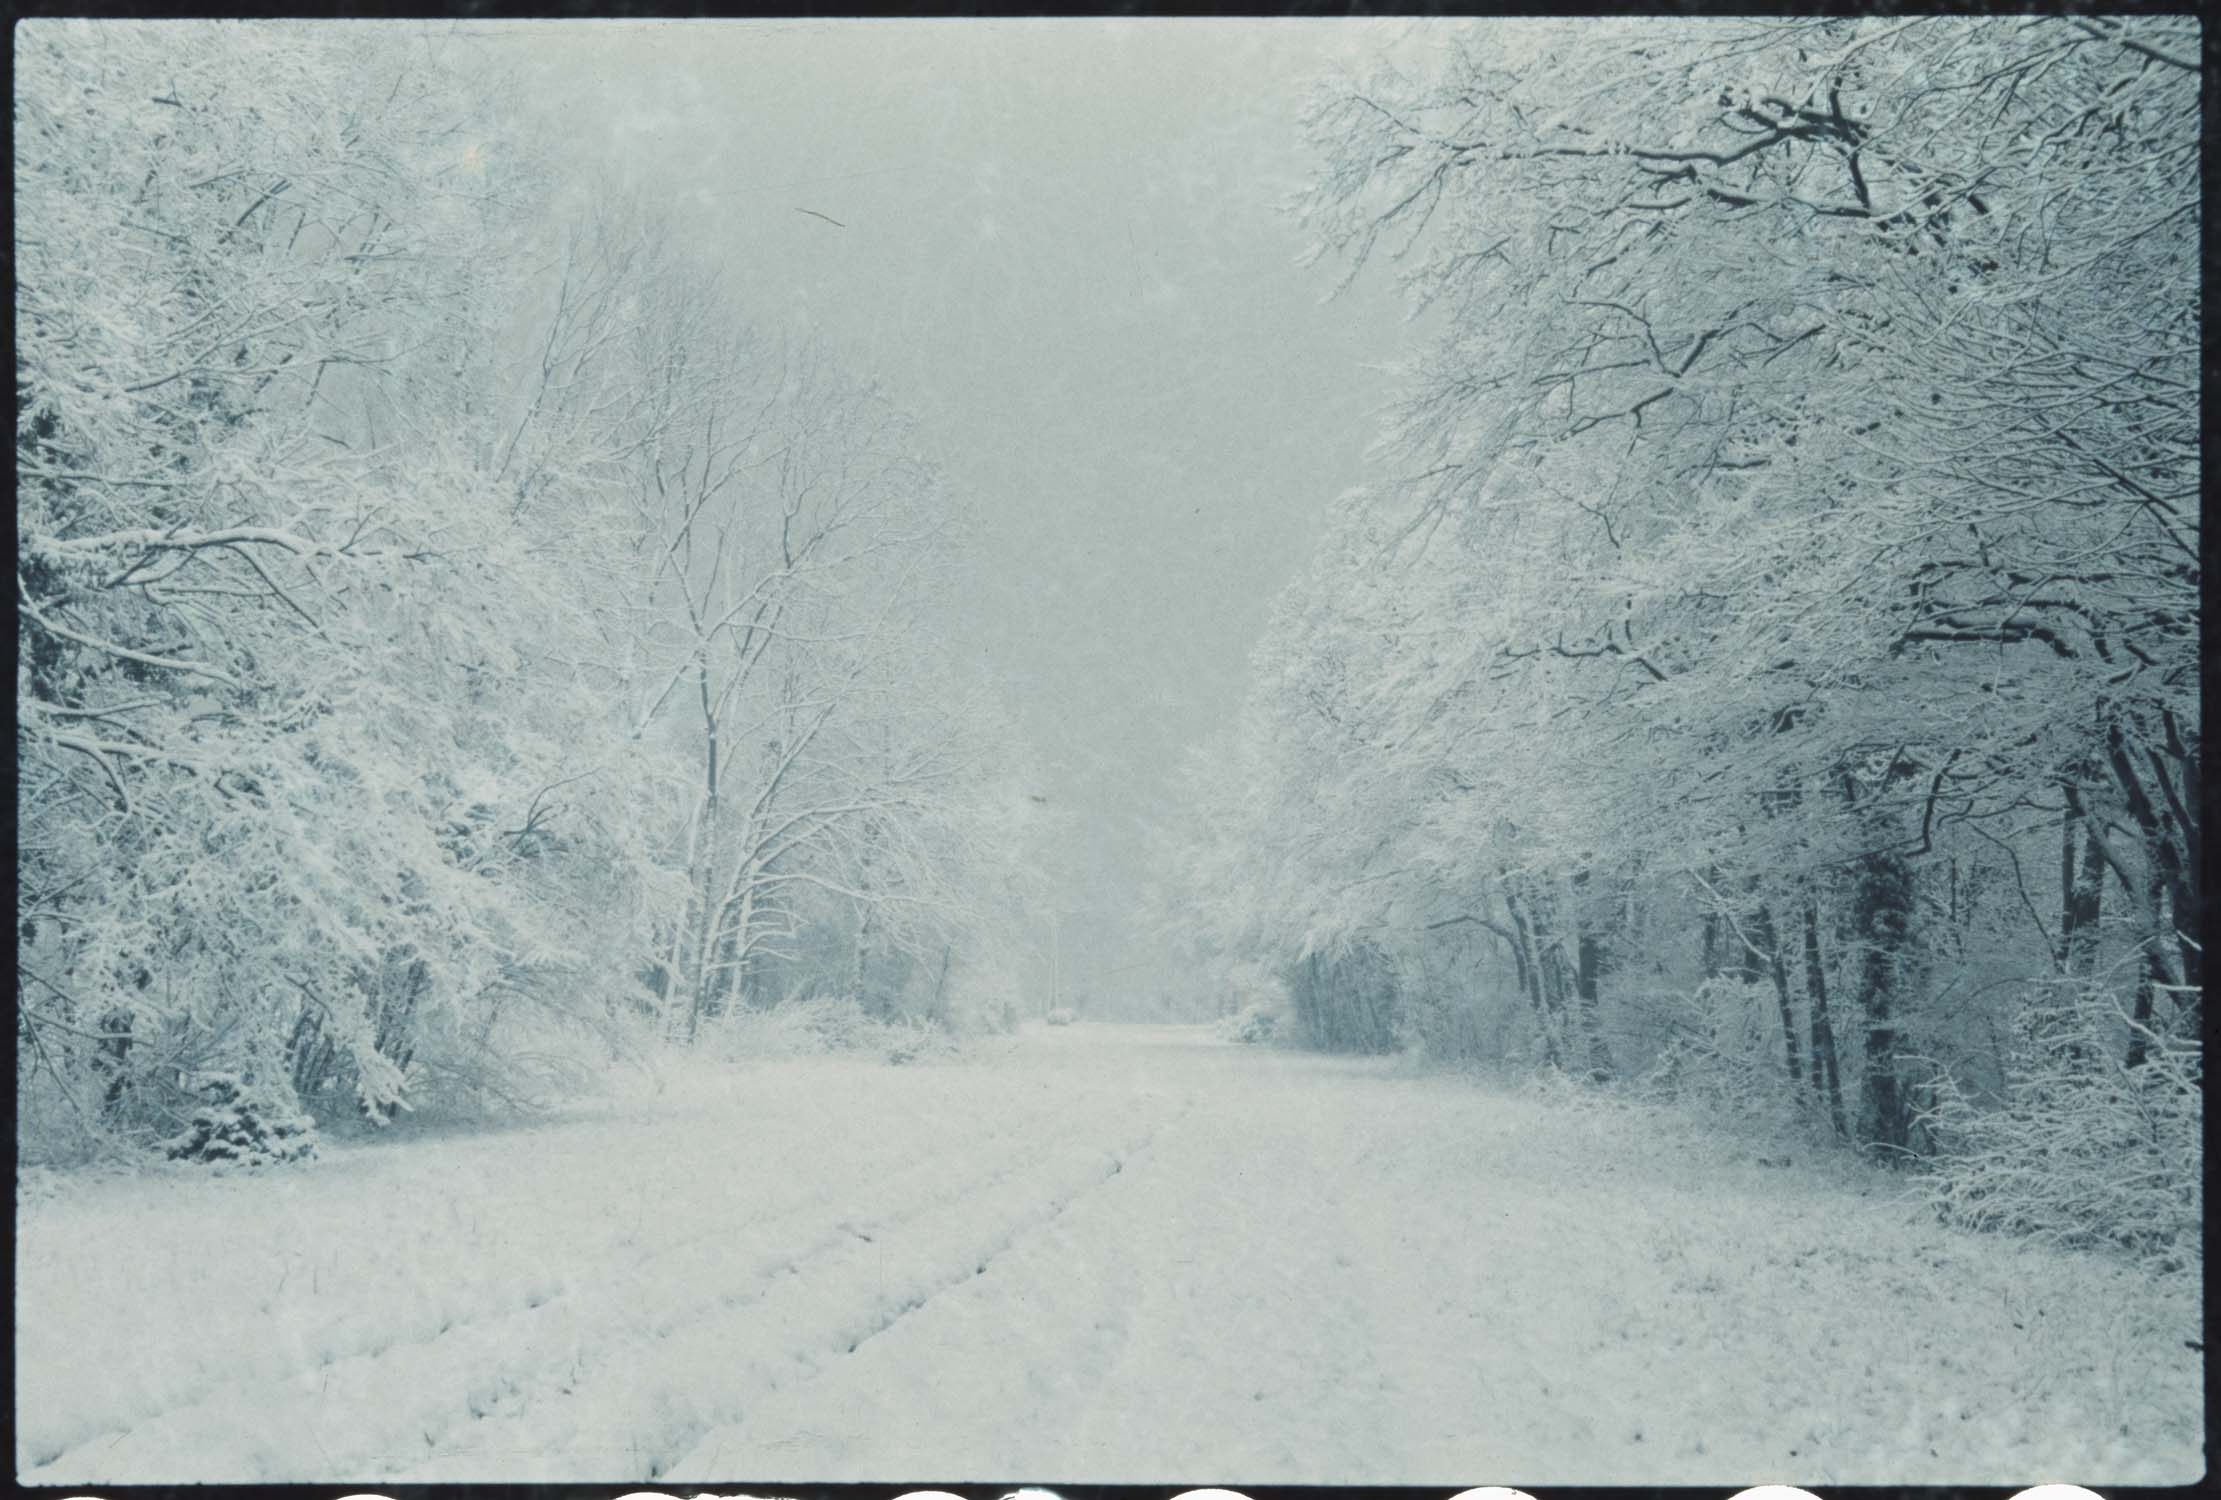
(1061, 1017)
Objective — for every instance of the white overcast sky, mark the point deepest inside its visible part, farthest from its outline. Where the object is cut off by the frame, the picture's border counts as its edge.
(1061, 246)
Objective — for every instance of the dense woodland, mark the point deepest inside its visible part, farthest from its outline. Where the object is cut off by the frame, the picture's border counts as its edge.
(1768, 670)
(459, 650)
(456, 650)
(529, 879)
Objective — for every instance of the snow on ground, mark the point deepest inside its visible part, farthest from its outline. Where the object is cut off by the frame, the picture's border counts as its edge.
(1090, 1254)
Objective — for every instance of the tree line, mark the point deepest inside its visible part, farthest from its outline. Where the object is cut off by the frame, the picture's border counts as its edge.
(1768, 665)
(452, 639)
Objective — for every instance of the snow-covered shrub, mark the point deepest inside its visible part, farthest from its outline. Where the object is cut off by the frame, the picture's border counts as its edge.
(1443, 1021)
(838, 1024)
(818, 1027)
(245, 1122)
(1723, 1053)
(911, 1040)
(2085, 1148)
(1262, 1012)
(793, 1028)
(527, 1060)
(1261, 1021)
(982, 999)
(1061, 1016)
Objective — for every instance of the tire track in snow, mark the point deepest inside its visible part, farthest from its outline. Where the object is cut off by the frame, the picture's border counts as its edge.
(510, 1352)
(1133, 1155)
(701, 1451)
(650, 1396)
(338, 1344)
(1340, 1272)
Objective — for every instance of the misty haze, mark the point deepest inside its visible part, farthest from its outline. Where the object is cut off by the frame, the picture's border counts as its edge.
(1188, 752)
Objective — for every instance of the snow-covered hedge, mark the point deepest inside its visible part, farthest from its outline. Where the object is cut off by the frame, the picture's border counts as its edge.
(818, 1027)
(1061, 1016)
(1722, 1052)
(2086, 1148)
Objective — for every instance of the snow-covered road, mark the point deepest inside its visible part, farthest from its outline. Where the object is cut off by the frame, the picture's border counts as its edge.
(1090, 1254)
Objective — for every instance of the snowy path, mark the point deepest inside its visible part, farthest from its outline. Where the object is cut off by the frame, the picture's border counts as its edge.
(1098, 1254)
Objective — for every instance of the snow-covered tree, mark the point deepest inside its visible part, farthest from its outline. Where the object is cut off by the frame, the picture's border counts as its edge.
(272, 734)
(441, 618)
(1787, 554)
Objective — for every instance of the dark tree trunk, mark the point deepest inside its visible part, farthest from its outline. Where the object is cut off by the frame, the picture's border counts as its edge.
(1546, 957)
(2171, 833)
(1826, 1081)
(1751, 936)
(1587, 969)
(1525, 956)
(1591, 959)
(301, 1050)
(2082, 892)
(1708, 953)
(2059, 946)
(2153, 966)
(112, 1057)
(940, 985)
(1763, 920)
(724, 985)
(1882, 908)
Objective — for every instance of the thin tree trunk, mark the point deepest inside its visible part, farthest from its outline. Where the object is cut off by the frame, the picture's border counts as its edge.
(1825, 1078)
(1544, 959)
(1750, 964)
(721, 987)
(1530, 978)
(705, 866)
(940, 984)
(673, 989)
(2153, 967)
(1764, 921)
(2170, 832)
(744, 932)
(2060, 945)
(1708, 946)
(859, 968)
(1589, 963)
(2084, 896)
(1533, 991)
